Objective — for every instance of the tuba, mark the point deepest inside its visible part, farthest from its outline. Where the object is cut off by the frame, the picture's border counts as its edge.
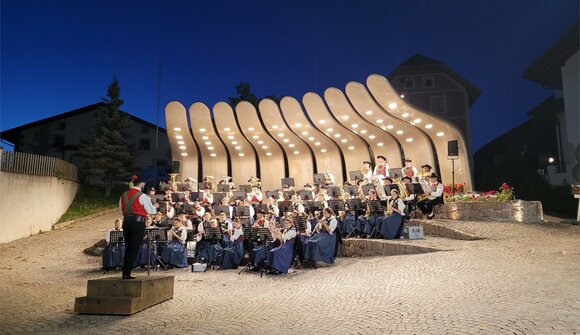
(254, 181)
(212, 184)
(402, 189)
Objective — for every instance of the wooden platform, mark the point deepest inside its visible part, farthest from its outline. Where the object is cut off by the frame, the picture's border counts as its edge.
(116, 296)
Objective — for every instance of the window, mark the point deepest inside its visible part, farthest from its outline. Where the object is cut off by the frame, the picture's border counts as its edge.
(428, 82)
(58, 141)
(144, 144)
(438, 104)
(408, 83)
(144, 130)
(61, 125)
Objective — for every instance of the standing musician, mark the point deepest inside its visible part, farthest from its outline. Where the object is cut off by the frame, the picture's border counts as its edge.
(409, 170)
(207, 196)
(135, 207)
(382, 169)
(175, 253)
(261, 221)
(434, 196)
(425, 172)
(366, 170)
(329, 178)
(322, 246)
(255, 197)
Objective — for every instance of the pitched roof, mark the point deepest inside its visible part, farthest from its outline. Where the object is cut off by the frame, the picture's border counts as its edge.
(433, 65)
(546, 69)
(11, 134)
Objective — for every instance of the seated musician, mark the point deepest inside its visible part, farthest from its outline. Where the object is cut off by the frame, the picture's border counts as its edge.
(255, 197)
(366, 170)
(198, 208)
(261, 221)
(409, 170)
(410, 199)
(144, 251)
(114, 250)
(175, 253)
(381, 171)
(151, 195)
(207, 196)
(207, 247)
(425, 171)
(322, 246)
(392, 226)
(225, 225)
(280, 257)
(273, 210)
(158, 220)
(434, 197)
(185, 222)
(376, 215)
(322, 199)
(246, 203)
(231, 256)
(226, 202)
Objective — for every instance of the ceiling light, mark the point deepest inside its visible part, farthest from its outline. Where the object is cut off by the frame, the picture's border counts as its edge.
(380, 121)
(344, 140)
(322, 150)
(393, 105)
(304, 133)
(369, 112)
(208, 143)
(280, 134)
(180, 142)
(354, 125)
(390, 126)
(274, 127)
(264, 147)
(202, 129)
(402, 96)
(364, 131)
(184, 154)
(213, 154)
(440, 134)
(260, 142)
(179, 137)
(410, 139)
(237, 147)
(182, 147)
(296, 152)
(405, 115)
(351, 148)
(380, 144)
(255, 137)
(329, 130)
(311, 138)
(286, 140)
(322, 121)
(227, 129)
(177, 129)
(231, 137)
(268, 154)
(417, 120)
(428, 126)
(210, 148)
(337, 135)
(204, 137)
(241, 154)
(251, 129)
(316, 143)
(399, 132)
(345, 117)
(298, 125)
(234, 142)
(372, 137)
(291, 145)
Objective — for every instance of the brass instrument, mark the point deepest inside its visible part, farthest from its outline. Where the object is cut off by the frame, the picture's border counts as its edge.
(382, 195)
(403, 193)
(254, 181)
(211, 181)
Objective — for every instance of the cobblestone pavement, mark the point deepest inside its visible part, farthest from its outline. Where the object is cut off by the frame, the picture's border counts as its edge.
(520, 279)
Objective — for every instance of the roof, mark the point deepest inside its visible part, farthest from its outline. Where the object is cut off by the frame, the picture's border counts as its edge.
(546, 69)
(417, 61)
(548, 108)
(11, 134)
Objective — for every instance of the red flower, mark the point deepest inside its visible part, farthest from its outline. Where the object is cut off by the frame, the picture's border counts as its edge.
(505, 187)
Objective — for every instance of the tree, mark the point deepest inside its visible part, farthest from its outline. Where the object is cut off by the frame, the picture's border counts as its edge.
(108, 160)
(245, 94)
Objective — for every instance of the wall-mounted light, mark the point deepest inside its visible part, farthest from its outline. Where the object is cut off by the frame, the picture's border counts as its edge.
(177, 129)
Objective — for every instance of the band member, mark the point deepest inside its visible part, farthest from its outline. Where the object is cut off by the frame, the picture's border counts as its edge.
(158, 220)
(225, 225)
(425, 171)
(207, 196)
(199, 210)
(392, 226)
(273, 210)
(376, 214)
(434, 196)
(261, 221)
(409, 170)
(367, 170)
(115, 250)
(207, 247)
(185, 222)
(382, 169)
(231, 256)
(135, 207)
(175, 253)
(256, 196)
(329, 178)
(322, 246)
(280, 258)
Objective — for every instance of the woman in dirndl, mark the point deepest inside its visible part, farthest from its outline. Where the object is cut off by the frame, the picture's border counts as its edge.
(175, 253)
(231, 256)
(280, 258)
(392, 225)
(321, 247)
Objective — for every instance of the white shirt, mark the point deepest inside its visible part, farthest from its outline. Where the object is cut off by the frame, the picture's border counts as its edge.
(332, 224)
(381, 176)
(415, 172)
(399, 205)
(170, 212)
(237, 233)
(290, 233)
(181, 238)
(187, 224)
(368, 175)
(436, 191)
(258, 195)
(144, 200)
(200, 212)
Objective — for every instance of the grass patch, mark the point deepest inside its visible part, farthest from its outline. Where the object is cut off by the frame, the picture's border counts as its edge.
(89, 201)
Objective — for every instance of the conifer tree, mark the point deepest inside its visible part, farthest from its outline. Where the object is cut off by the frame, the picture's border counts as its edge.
(108, 159)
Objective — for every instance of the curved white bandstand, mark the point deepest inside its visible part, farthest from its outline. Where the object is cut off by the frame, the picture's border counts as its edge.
(336, 133)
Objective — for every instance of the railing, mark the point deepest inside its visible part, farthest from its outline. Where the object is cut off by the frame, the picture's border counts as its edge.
(37, 165)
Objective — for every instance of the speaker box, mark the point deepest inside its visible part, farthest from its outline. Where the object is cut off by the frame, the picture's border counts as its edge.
(453, 148)
(176, 167)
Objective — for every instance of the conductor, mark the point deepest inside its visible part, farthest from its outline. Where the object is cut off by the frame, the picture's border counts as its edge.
(135, 207)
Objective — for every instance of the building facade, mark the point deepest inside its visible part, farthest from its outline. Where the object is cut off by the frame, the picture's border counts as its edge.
(61, 135)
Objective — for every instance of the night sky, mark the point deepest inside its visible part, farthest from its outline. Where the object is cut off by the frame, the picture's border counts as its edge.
(60, 55)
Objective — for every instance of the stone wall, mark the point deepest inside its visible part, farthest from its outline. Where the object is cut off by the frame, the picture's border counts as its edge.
(31, 204)
(367, 248)
(516, 210)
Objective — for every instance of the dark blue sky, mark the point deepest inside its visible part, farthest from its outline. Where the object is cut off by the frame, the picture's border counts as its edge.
(60, 55)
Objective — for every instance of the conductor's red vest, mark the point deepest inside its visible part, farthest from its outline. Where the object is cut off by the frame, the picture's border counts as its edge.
(382, 169)
(132, 197)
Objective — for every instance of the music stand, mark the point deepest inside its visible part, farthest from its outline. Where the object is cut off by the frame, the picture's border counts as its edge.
(196, 196)
(395, 173)
(242, 211)
(357, 207)
(239, 195)
(224, 188)
(367, 188)
(416, 189)
(319, 178)
(352, 190)
(336, 205)
(288, 182)
(157, 236)
(245, 188)
(306, 195)
(158, 198)
(272, 194)
(288, 194)
(218, 197)
(164, 187)
(333, 191)
(188, 209)
(213, 234)
(250, 234)
(264, 236)
(116, 236)
(355, 175)
(313, 206)
(164, 207)
(285, 206)
(177, 197)
(375, 209)
(222, 209)
(182, 187)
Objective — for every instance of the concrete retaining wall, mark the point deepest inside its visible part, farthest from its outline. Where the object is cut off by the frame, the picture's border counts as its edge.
(31, 204)
(516, 210)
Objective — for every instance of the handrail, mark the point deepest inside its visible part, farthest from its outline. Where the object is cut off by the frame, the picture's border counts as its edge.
(37, 165)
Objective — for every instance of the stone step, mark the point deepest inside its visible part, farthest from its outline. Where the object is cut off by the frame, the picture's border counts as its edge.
(116, 296)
